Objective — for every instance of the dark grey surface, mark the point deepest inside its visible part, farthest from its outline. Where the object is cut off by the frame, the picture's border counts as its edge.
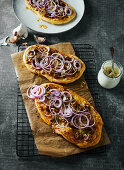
(102, 26)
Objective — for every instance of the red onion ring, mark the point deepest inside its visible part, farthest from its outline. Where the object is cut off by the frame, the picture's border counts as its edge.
(70, 65)
(49, 7)
(55, 92)
(60, 67)
(46, 52)
(36, 91)
(30, 56)
(33, 63)
(73, 120)
(44, 62)
(57, 102)
(85, 112)
(92, 124)
(75, 64)
(82, 124)
(57, 64)
(58, 55)
(28, 92)
(66, 10)
(66, 112)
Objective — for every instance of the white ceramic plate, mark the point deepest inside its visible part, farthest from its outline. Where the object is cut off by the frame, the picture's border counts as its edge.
(29, 19)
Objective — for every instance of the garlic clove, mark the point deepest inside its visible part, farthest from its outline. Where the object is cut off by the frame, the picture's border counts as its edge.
(21, 31)
(39, 39)
(13, 39)
(25, 35)
(24, 32)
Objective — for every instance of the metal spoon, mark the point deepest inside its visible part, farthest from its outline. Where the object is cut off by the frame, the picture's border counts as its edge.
(112, 56)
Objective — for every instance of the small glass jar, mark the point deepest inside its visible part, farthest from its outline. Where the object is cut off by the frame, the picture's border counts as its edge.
(107, 81)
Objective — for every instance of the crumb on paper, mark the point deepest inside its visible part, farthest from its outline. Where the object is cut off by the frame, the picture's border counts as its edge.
(38, 19)
(43, 26)
(27, 8)
(83, 84)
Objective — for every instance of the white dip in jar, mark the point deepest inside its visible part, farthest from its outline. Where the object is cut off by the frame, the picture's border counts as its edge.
(109, 78)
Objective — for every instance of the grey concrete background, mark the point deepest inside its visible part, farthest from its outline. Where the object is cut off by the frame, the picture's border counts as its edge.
(102, 26)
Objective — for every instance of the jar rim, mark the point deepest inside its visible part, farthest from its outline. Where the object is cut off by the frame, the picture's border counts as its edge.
(119, 67)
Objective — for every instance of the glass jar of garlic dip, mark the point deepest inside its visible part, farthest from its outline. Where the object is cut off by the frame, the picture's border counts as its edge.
(109, 78)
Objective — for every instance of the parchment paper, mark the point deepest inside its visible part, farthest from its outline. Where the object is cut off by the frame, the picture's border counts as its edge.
(47, 142)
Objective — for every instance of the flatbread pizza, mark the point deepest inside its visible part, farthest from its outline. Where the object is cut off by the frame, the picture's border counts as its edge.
(54, 65)
(67, 113)
(52, 11)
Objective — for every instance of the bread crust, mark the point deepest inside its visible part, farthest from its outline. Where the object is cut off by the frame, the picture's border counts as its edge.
(55, 21)
(67, 132)
(66, 80)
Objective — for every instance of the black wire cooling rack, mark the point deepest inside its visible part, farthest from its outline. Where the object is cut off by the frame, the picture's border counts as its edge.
(25, 145)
